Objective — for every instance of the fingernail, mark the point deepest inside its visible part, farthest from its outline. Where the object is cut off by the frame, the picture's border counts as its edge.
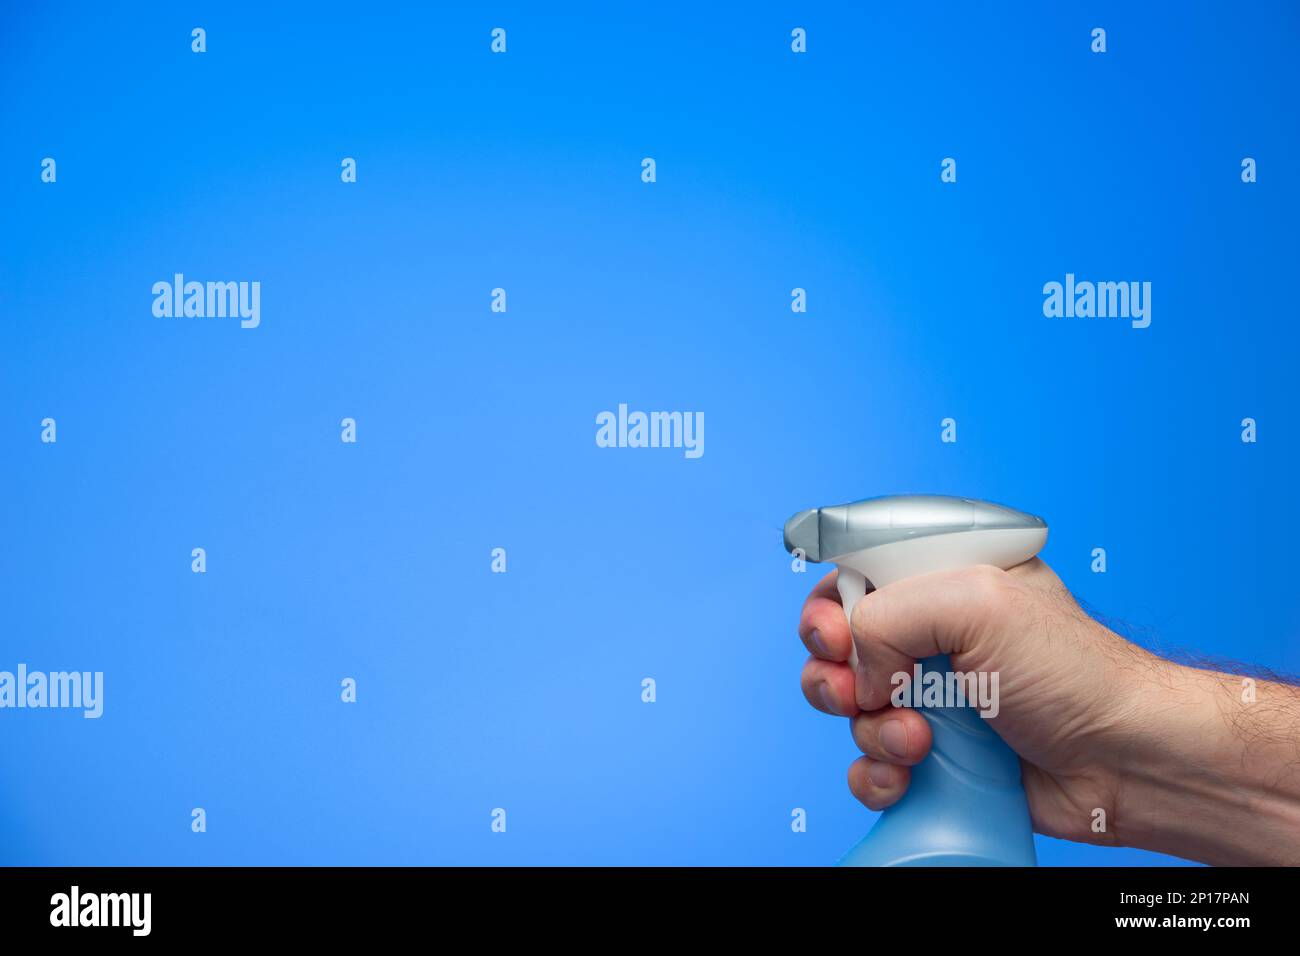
(881, 774)
(816, 638)
(827, 701)
(893, 737)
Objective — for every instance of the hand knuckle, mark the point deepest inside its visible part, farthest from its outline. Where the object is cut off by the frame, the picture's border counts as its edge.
(990, 588)
(864, 616)
(861, 732)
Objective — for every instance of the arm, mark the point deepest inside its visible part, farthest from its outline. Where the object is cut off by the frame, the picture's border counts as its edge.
(1216, 774)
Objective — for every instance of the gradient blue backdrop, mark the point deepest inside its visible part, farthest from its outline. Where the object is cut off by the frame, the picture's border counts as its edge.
(476, 430)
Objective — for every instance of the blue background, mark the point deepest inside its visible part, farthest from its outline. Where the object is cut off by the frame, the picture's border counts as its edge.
(476, 430)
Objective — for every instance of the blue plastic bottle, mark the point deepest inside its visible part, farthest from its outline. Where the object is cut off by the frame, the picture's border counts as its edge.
(964, 806)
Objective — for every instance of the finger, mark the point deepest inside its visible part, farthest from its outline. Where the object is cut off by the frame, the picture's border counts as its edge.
(823, 628)
(878, 785)
(828, 686)
(828, 586)
(919, 617)
(895, 735)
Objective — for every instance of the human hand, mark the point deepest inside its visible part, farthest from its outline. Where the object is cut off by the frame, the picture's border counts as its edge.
(1100, 724)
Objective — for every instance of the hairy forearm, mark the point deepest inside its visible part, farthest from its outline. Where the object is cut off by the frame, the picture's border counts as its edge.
(1213, 772)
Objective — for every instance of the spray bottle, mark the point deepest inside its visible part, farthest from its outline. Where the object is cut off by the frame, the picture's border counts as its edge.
(965, 805)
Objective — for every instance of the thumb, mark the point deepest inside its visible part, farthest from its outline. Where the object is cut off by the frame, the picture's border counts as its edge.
(939, 613)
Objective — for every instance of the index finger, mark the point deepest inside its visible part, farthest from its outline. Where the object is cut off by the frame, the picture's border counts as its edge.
(823, 628)
(827, 587)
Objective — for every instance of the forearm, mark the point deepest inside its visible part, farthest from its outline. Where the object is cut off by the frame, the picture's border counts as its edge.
(1213, 770)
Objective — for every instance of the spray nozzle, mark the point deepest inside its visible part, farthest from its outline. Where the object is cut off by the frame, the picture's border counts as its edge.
(824, 534)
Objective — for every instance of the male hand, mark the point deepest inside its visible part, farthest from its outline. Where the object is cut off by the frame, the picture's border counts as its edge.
(1176, 759)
